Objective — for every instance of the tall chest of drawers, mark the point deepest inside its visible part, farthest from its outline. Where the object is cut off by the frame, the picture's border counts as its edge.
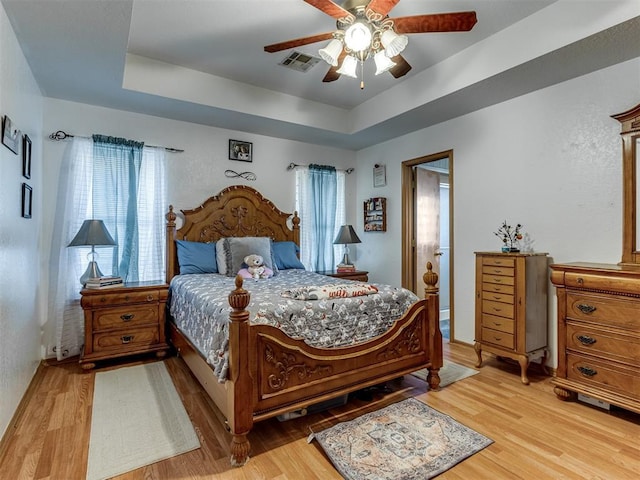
(511, 307)
(598, 332)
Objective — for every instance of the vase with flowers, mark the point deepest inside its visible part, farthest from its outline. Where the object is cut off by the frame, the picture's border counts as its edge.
(509, 236)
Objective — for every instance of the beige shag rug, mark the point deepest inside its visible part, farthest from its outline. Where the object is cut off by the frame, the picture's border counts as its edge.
(138, 419)
(449, 373)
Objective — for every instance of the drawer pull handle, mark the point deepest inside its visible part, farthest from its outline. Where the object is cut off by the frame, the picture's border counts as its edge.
(149, 298)
(497, 297)
(497, 280)
(497, 339)
(584, 308)
(586, 339)
(497, 309)
(587, 371)
(127, 317)
(126, 338)
(497, 324)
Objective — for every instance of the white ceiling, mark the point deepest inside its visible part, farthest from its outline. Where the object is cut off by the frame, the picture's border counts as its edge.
(202, 61)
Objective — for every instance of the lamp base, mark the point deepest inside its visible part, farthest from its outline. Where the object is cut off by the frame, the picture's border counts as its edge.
(92, 271)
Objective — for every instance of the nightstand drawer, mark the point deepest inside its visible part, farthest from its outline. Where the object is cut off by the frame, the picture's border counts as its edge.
(129, 338)
(130, 317)
(110, 297)
(497, 338)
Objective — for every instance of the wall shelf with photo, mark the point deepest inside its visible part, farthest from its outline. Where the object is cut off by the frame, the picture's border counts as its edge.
(375, 214)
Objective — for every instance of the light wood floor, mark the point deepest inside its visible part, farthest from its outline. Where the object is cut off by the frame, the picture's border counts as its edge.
(536, 436)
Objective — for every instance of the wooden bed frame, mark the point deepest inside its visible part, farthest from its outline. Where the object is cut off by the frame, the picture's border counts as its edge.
(270, 373)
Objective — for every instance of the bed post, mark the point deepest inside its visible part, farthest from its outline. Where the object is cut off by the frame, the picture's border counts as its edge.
(240, 394)
(295, 222)
(171, 244)
(435, 335)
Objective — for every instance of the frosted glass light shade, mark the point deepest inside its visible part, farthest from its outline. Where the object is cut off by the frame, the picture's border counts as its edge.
(349, 66)
(358, 37)
(331, 52)
(383, 63)
(393, 43)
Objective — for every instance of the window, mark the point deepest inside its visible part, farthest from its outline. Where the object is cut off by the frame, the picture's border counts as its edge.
(320, 202)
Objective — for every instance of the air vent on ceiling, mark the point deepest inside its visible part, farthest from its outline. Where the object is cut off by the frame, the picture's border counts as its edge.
(301, 62)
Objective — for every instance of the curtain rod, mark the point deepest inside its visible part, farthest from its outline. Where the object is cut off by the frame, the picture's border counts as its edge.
(292, 165)
(60, 135)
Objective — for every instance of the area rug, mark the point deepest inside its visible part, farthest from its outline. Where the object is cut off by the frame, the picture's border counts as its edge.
(138, 419)
(449, 373)
(407, 440)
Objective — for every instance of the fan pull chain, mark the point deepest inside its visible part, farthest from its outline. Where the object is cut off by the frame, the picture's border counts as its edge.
(361, 75)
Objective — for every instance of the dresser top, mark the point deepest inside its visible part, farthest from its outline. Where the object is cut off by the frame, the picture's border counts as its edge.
(513, 254)
(600, 267)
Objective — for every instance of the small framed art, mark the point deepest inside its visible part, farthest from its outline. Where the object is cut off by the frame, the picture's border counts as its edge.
(10, 135)
(379, 175)
(239, 150)
(27, 200)
(26, 156)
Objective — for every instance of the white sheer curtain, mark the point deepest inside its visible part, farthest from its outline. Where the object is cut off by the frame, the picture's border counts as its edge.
(305, 205)
(74, 205)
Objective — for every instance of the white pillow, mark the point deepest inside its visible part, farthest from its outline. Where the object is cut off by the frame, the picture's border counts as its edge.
(230, 253)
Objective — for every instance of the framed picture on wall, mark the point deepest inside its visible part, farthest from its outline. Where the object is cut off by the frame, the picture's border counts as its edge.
(26, 156)
(10, 135)
(379, 175)
(239, 150)
(27, 200)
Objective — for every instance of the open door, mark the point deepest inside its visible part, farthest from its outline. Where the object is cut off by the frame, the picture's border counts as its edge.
(427, 215)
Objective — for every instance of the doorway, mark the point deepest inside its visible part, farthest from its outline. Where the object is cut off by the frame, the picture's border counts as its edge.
(427, 217)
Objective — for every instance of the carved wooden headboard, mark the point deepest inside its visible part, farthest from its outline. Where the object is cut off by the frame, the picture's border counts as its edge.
(237, 211)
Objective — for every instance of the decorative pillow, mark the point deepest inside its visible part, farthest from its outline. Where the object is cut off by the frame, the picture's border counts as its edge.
(230, 253)
(285, 255)
(196, 257)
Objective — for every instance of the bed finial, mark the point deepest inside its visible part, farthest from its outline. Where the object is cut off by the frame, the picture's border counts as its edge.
(430, 279)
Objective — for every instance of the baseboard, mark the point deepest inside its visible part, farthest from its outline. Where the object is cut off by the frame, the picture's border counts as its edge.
(37, 378)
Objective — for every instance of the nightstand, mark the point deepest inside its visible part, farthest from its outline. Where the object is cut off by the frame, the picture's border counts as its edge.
(124, 321)
(358, 275)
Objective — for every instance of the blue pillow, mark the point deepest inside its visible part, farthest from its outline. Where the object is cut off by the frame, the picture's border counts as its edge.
(196, 257)
(285, 254)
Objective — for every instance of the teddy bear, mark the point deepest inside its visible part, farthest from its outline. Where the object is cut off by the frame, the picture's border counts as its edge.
(255, 267)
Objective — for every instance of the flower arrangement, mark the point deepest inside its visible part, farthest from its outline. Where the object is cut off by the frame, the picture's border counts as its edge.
(509, 236)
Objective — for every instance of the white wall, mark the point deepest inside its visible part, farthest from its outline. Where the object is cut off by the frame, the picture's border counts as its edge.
(550, 160)
(195, 174)
(20, 267)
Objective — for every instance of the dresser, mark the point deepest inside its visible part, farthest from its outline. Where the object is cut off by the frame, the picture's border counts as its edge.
(511, 307)
(123, 321)
(598, 332)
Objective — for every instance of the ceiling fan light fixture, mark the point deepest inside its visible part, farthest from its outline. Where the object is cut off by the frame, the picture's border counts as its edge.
(349, 66)
(358, 37)
(383, 63)
(393, 43)
(331, 52)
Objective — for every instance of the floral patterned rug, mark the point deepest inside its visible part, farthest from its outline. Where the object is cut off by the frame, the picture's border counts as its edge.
(407, 440)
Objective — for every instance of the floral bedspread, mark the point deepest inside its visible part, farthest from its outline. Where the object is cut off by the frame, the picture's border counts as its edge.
(200, 309)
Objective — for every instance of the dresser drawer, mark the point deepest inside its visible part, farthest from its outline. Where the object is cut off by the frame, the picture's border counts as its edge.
(501, 324)
(497, 297)
(129, 317)
(603, 342)
(498, 288)
(495, 270)
(497, 308)
(497, 338)
(600, 373)
(604, 309)
(109, 297)
(499, 261)
(500, 280)
(129, 338)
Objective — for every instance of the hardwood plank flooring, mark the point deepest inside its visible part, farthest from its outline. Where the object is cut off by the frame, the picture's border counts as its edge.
(536, 436)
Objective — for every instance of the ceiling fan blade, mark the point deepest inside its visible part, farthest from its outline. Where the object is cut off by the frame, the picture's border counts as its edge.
(401, 67)
(330, 8)
(437, 22)
(277, 47)
(383, 7)
(332, 74)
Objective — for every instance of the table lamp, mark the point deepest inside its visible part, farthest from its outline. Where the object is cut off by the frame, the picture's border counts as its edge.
(346, 235)
(92, 233)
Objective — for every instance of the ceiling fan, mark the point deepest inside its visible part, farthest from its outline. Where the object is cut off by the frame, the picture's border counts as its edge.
(365, 30)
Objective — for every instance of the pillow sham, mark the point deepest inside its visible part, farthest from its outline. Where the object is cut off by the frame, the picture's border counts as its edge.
(196, 257)
(230, 253)
(285, 255)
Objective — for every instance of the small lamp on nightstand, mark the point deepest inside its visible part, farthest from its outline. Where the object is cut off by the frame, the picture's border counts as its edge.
(346, 235)
(92, 233)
